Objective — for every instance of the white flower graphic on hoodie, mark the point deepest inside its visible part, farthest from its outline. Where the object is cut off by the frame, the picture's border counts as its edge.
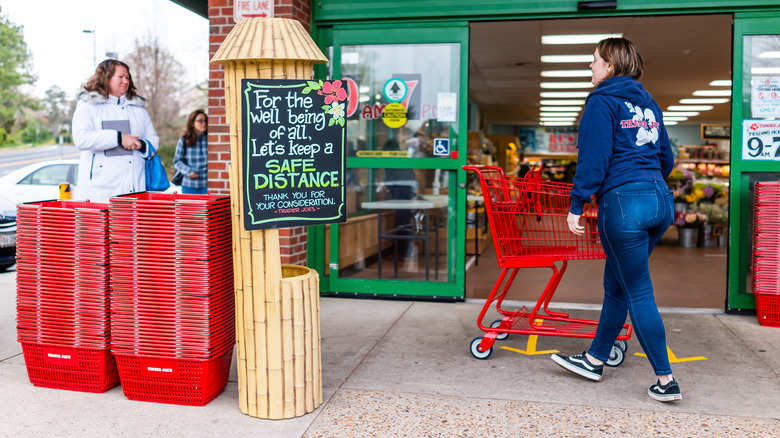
(648, 128)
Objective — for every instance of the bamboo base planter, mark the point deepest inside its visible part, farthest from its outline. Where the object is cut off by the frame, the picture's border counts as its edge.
(279, 367)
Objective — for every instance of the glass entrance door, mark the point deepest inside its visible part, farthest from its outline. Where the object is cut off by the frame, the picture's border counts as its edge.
(405, 119)
(756, 145)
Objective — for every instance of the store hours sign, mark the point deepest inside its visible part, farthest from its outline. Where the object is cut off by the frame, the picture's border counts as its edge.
(761, 140)
(292, 142)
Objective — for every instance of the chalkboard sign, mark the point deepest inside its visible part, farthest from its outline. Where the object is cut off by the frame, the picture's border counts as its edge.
(293, 150)
(715, 132)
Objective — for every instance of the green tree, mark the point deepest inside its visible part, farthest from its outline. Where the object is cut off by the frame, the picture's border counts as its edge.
(55, 107)
(15, 72)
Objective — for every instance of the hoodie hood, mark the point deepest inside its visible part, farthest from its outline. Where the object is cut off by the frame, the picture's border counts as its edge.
(624, 87)
(94, 98)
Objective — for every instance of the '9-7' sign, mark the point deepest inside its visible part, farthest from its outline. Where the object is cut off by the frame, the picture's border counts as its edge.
(760, 140)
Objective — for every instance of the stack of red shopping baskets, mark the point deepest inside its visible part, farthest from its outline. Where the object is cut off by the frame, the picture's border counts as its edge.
(766, 253)
(172, 301)
(62, 297)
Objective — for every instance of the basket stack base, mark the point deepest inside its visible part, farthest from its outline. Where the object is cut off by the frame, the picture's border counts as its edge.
(768, 309)
(74, 369)
(174, 381)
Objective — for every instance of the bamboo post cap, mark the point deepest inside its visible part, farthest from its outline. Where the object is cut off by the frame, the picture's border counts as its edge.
(271, 38)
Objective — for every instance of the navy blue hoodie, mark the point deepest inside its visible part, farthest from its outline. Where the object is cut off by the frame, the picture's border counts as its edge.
(622, 138)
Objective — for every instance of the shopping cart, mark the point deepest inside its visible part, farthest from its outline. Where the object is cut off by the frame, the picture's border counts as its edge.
(527, 218)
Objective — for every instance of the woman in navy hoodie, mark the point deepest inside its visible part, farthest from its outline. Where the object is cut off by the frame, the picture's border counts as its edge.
(624, 159)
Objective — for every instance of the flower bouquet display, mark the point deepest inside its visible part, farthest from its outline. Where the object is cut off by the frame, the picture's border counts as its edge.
(689, 224)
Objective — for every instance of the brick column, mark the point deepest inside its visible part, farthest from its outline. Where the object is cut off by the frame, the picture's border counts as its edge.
(292, 240)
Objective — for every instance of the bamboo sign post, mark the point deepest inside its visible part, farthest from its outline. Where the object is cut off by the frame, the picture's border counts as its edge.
(277, 307)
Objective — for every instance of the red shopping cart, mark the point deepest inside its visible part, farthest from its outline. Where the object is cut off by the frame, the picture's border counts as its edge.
(527, 218)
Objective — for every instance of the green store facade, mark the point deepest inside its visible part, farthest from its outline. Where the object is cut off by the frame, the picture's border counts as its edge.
(423, 56)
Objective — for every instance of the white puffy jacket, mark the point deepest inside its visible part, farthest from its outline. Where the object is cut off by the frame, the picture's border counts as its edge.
(102, 176)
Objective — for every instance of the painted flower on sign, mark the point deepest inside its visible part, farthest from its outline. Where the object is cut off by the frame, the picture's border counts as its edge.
(333, 95)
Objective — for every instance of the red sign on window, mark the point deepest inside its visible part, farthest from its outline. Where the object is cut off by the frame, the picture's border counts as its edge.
(252, 8)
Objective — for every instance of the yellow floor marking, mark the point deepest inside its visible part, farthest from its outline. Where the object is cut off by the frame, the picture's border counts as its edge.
(675, 359)
(530, 348)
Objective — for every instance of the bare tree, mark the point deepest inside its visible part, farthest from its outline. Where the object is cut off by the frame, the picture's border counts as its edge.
(55, 106)
(158, 76)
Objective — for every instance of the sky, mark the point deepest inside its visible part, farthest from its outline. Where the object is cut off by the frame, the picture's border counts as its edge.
(62, 54)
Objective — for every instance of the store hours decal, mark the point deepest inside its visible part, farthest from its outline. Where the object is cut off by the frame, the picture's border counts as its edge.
(293, 153)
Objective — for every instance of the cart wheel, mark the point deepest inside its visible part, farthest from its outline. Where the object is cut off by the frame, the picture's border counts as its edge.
(616, 357)
(476, 352)
(623, 345)
(500, 336)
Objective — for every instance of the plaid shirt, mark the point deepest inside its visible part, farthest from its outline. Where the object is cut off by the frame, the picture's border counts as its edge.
(194, 158)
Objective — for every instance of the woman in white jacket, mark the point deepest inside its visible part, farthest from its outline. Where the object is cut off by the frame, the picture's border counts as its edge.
(111, 127)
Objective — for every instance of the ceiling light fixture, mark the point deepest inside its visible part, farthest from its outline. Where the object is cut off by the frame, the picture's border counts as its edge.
(563, 94)
(550, 114)
(680, 114)
(557, 123)
(562, 102)
(770, 54)
(567, 58)
(721, 83)
(674, 119)
(689, 107)
(765, 70)
(670, 123)
(559, 109)
(558, 119)
(704, 101)
(565, 85)
(577, 39)
(712, 93)
(567, 74)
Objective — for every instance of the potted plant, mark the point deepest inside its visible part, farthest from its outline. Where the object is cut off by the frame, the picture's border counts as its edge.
(689, 225)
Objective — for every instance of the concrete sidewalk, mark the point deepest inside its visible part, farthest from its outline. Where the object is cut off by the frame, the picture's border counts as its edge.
(394, 368)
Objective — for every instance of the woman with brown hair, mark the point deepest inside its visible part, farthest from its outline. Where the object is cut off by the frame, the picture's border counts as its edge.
(624, 159)
(113, 130)
(191, 157)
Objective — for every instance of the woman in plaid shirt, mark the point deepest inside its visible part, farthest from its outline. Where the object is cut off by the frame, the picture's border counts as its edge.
(191, 157)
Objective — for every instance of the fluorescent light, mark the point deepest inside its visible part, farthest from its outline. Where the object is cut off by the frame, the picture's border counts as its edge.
(567, 58)
(560, 108)
(681, 114)
(567, 74)
(556, 123)
(765, 70)
(558, 119)
(703, 101)
(562, 102)
(548, 114)
(689, 107)
(721, 83)
(712, 93)
(563, 94)
(674, 119)
(577, 39)
(670, 123)
(769, 55)
(564, 85)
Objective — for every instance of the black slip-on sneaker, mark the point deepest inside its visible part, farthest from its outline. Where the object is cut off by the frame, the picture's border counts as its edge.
(665, 393)
(579, 364)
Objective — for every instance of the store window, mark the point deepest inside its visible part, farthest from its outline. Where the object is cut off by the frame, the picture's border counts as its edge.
(761, 108)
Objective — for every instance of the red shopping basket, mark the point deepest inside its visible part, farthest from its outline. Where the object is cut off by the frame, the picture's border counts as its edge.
(527, 218)
(188, 381)
(71, 368)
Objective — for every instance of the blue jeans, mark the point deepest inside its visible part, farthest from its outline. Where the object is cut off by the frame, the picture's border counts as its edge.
(631, 220)
(194, 190)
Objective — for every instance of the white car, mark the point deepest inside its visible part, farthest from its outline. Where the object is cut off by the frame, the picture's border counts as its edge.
(41, 181)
